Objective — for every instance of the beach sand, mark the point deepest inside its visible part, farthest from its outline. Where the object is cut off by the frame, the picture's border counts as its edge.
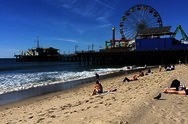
(132, 103)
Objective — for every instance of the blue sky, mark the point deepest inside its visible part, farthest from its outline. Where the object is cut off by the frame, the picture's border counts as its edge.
(63, 24)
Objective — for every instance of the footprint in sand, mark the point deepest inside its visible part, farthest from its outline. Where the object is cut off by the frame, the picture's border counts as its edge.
(50, 111)
(108, 104)
(91, 98)
(114, 98)
(82, 109)
(69, 105)
(99, 97)
(62, 108)
(74, 111)
(86, 101)
(101, 102)
(88, 107)
(53, 108)
(53, 116)
(70, 112)
(42, 114)
(38, 121)
(95, 106)
(77, 104)
(30, 117)
(39, 112)
(107, 99)
(66, 112)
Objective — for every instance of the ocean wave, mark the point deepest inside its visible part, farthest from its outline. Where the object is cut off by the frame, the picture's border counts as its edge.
(18, 81)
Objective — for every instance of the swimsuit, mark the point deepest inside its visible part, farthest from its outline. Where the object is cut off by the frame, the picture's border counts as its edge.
(99, 91)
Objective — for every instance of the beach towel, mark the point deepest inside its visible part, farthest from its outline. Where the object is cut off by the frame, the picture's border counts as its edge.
(108, 91)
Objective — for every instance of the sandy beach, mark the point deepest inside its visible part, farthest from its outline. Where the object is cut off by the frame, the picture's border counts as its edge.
(132, 103)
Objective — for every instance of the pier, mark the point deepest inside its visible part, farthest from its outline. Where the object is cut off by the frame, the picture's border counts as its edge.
(133, 58)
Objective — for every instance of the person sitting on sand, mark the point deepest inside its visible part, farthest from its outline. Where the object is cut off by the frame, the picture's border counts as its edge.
(98, 88)
(132, 79)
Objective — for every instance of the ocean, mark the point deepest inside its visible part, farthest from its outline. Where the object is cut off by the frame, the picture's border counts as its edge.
(15, 76)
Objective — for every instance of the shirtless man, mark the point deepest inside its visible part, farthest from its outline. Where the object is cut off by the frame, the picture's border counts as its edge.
(98, 88)
(132, 79)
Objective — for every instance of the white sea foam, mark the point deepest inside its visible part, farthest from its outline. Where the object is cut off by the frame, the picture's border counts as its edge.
(19, 81)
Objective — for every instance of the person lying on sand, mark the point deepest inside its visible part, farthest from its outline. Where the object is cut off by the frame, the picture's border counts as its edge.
(130, 79)
(148, 72)
(140, 74)
(175, 88)
(172, 91)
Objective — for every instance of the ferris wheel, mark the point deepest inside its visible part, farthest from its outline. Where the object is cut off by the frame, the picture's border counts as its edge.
(138, 18)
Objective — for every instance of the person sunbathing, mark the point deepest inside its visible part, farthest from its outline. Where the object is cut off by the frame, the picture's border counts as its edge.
(98, 88)
(176, 88)
(131, 79)
(141, 74)
(173, 91)
(148, 72)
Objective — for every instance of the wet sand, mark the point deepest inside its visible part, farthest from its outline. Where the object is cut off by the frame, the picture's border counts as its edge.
(132, 103)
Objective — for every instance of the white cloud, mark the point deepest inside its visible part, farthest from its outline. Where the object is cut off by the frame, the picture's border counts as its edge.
(66, 40)
(105, 5)
(102, 19)
(105, 25)
(67, 6)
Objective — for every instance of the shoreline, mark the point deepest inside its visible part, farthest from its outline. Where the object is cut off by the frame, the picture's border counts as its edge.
(15, 96)
(132, 103)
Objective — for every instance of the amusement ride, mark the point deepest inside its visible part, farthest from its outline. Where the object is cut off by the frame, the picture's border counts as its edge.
(136, 20)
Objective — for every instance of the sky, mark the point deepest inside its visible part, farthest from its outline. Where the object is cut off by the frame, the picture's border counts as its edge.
(73, 24)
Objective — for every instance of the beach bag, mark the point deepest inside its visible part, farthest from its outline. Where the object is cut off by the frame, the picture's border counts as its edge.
(175, 83)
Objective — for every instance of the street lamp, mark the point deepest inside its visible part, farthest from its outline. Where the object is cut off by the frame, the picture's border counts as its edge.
(92, 47)
(76, 46)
